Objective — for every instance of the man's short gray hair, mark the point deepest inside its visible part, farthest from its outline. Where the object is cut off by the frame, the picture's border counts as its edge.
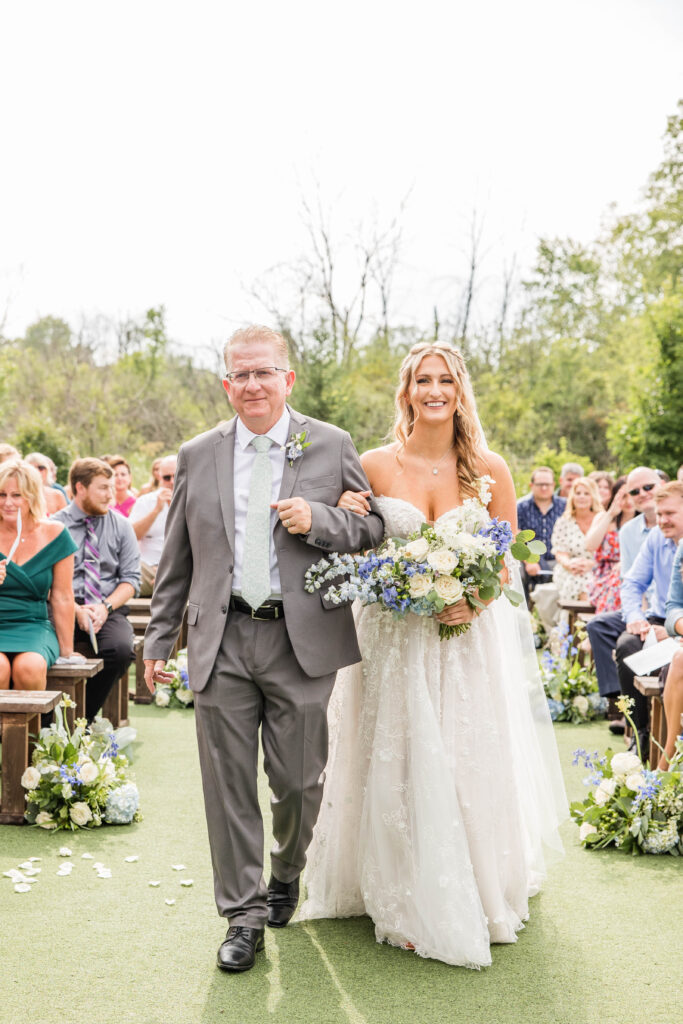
(252, 335)
(572, 467)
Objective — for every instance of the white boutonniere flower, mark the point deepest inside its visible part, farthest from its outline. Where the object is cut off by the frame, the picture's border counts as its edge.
(296, 446)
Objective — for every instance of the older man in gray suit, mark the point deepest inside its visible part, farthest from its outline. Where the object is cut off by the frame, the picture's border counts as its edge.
(254, 505)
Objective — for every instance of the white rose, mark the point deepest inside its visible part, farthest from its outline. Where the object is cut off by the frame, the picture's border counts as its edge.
(161, 698)
(625, 764)
(442, 560)
(634, 781)
(109, 770)
(420, 584)
(184, 695)
(30, 778)
(449, 589)
(80, 813)
(89, 772)
(586, 830)
(417, 549)
(604, 791)
(581, 704)
(45, 820)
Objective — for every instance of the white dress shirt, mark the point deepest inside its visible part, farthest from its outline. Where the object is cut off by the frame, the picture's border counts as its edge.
(244, 459)
(153, 541)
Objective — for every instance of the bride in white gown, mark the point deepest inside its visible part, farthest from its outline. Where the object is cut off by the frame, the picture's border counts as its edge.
(443, 782)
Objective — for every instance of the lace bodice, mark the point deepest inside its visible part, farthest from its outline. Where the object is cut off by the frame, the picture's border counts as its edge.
(401, 517)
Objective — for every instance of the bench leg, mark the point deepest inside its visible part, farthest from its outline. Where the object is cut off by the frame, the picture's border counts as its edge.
(15, 730)
(111, 708)
(657, 730)
(142, 694)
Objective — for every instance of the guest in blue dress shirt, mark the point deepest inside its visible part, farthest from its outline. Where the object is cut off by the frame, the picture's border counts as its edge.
(539, 511)
(673, 690)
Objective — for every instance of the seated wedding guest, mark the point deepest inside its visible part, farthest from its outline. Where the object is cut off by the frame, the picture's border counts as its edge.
(36, 570)
(664, 477)
(605, 629)
(149, 522)
(605, 483)
(153, 482)
(124, 496)
(8, 451)
(570, 472)
(654, 564)
(54, 499)
(52, 478)
(539, 511)
(604, 591)
(106, 575)
(679, 473)
(573, 562)
(673, 688)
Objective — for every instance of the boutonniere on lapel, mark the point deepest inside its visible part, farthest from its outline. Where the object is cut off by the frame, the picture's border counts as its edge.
(296, 446)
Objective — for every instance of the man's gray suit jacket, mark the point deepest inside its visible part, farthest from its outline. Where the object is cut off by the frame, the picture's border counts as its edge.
(197, 561)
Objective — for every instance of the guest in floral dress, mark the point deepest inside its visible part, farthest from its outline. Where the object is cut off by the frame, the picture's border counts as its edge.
(574, 563)
(603, 538)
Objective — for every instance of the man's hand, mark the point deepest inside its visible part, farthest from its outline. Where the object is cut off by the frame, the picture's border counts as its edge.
(154, 673)
(295, 514)
(164, 496)
(641, 627)
(660, 632)
(87, 613)
(532, 568)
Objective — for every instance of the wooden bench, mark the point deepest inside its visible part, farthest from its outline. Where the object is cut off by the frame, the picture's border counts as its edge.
(20, 712)
(71, 679)
(652, 687)
(574, 609)
(139, 605)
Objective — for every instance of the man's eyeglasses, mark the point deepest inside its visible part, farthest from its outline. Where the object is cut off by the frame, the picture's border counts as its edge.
(263, 375)
(542, 483)
(168, 476)
(646, 488)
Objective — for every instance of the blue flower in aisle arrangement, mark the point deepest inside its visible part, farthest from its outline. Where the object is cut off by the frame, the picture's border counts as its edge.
(295, 447)
(73, 776)
(629, 806)
(122, 804)
(570, 687)
(460, 556)
(176, 693)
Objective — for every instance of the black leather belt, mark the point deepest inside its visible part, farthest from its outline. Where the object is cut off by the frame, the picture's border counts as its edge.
(271, 610)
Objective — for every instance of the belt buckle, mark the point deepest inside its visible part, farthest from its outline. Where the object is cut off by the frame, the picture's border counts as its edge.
(257, 618)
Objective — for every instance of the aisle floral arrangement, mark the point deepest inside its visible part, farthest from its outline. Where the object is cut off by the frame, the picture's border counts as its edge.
(461, 555)
(177, 692)
(629, 806)
(80, 779)
(571, 688)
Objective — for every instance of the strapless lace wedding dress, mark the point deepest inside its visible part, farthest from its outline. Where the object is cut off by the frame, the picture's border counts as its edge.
(442, 783)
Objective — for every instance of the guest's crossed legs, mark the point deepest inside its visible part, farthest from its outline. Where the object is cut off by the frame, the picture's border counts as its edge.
(257, 681)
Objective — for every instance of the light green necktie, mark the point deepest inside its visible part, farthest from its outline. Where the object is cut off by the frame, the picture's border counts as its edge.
(256, 561)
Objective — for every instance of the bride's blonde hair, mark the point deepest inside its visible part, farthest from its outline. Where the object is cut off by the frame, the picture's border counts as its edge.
(467, 438)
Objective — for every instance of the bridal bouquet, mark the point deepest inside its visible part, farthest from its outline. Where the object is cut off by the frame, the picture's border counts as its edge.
(461, 555)
(80, 779)
(176, 693)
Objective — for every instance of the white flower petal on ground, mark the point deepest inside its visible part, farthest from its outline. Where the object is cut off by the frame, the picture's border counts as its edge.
(64, 851)
(104, 873)
(187, 881)
(132, 858)
(25, 865)
(87, 856)
(155, 884)
(30, 870)
(178, 867)
(22, 887)
(13, 873)
(33, 859)
(169, 903)
(65, 870)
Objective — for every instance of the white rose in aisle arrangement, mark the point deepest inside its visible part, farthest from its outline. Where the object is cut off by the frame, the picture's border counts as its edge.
(448, 589)
(185, 695)
(45, 820)
(604, 791)
(586, 830)
(581, 704)
(89, 772)
(442, 560)
(634, 781)
(80, 813)
(30, 778)
(421, 584)
(625, 763)
(417, 549)
(162, 698)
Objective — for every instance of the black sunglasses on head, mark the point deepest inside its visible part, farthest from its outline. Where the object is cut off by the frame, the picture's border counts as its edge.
(168, 476)
(645, 488)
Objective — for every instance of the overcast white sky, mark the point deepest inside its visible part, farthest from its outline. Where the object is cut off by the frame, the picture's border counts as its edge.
(156, 152)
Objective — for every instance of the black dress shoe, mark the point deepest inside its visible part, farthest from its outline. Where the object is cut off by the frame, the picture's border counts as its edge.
(239, 950)
(282, 901)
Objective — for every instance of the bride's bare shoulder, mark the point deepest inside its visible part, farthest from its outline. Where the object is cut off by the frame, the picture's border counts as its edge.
(491, 464)
(380, 463)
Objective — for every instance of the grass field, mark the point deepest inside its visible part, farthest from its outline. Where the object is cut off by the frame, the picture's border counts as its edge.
(602, 945)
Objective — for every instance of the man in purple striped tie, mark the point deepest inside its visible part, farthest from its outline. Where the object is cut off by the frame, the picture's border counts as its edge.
(106, 575)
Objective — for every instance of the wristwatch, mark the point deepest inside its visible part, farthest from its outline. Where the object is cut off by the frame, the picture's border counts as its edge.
(108, 606)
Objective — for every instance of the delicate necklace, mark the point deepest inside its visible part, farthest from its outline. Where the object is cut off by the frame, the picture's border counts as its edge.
(435, 469)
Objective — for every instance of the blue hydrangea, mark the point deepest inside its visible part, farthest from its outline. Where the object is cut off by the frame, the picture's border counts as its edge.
(556, 707)
(122, 803)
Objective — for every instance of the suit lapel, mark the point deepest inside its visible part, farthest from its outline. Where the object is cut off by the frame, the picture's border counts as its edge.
(224, 452)
(297, 424)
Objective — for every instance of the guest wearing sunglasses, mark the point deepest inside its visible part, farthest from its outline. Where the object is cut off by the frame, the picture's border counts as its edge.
(148, 517)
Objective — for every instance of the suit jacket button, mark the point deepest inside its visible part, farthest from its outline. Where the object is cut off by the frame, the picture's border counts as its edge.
(230, 568)
(224, 609)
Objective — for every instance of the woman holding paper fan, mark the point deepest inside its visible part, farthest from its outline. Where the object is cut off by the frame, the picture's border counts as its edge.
(36, 569)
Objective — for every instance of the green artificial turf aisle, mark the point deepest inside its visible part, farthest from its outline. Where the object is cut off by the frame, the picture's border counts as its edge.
(601, 945)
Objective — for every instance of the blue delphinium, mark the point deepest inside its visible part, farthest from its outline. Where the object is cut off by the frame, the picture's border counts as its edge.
(500, 533)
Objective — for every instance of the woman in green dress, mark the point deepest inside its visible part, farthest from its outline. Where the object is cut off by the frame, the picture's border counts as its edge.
(36, 569)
